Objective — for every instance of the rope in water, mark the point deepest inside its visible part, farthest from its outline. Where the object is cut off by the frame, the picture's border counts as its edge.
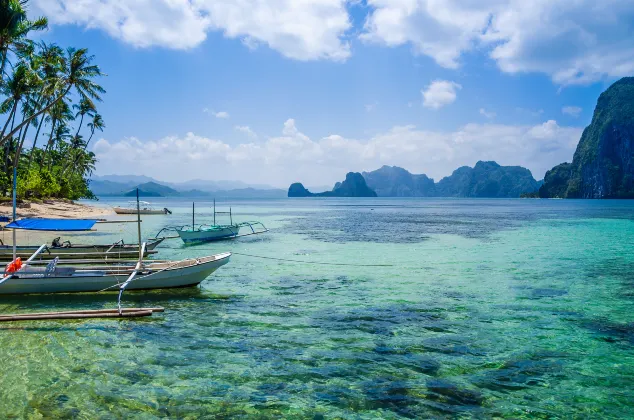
(301, 261)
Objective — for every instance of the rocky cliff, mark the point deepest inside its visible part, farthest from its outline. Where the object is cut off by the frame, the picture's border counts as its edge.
(486, 179)
(603, 164)
(353, 186)
(392, 181)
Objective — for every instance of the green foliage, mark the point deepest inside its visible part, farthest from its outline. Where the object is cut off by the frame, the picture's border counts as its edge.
(38, 84)
(38, 184)
(534, 194)
(556, 182)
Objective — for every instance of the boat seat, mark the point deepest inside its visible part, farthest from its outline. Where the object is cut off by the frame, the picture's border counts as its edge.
(50, 267)
(49, 271)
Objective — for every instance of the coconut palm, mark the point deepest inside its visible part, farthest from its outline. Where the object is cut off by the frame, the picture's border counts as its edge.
(21, 83)
(85, 107)
(78, 73)
(14, 27)
(96, 124)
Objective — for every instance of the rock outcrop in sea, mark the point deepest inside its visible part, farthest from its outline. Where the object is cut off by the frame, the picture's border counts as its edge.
(603, 164)
(485, 179)
(353, 186)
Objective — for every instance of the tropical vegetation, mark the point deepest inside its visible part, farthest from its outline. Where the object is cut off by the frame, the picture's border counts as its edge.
(48, 98)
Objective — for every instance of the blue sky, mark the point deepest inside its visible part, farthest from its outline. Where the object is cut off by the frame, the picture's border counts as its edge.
(277, 91)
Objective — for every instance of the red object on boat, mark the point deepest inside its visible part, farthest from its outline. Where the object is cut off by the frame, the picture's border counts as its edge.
(14, 265)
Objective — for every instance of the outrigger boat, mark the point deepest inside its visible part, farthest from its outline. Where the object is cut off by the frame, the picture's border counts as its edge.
(68, 250)
(144, 208)
(28, 277)
(192, 234)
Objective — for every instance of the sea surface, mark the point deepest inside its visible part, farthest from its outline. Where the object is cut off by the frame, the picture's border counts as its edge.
(390, 308)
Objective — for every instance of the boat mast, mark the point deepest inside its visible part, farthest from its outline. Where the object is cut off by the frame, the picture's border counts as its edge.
(193, 203)
(138, 222)
(15, 187)
(214, 211)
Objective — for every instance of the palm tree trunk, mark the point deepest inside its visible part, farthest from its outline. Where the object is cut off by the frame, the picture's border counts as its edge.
(37, 134)
(92, 133)
(4, 62)
(16, 159)
(7, 150)
(50, 141)
(81, 121)
(6, 124)
(36, 114)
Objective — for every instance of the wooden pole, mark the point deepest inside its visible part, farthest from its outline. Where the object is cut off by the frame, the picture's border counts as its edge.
(28, 317)
(138, 222)
(87, 311)
(15, 187)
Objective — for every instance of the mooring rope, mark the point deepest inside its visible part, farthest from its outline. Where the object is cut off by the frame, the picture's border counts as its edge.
(300, 261)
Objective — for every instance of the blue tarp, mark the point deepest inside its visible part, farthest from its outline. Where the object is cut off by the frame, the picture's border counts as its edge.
(52, 224)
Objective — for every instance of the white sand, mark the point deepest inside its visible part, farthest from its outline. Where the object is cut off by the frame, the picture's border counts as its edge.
(58, 210)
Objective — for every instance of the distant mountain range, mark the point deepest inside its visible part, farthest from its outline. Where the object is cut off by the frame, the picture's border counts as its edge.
(485, 179)
(126, 185)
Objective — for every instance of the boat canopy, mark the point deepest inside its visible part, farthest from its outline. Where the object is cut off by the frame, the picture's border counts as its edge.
(53, 224)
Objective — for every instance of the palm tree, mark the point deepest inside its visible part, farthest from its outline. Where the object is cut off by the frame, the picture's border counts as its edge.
(96, 124)
(49, 61)
(17, 87)
(58, 137)
(85, 107)
(14, 27)
(78, 74)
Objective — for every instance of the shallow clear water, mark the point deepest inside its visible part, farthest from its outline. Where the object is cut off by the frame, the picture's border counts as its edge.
(490, 308)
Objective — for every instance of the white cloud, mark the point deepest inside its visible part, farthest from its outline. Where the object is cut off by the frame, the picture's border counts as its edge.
(573, 111)
(220, 114)
(293, 156)
(488, 114)
(303, 30)
(576, 41)
(440, 93)
(246, 130)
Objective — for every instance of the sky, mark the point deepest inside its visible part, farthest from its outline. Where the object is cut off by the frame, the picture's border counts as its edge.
(281, 91)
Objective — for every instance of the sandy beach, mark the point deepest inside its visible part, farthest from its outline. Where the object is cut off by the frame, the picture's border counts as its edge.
(56, 209)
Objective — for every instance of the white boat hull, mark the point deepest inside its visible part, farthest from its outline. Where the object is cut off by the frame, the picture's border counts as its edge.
(183, 274)
(196, 236)
(122, 210)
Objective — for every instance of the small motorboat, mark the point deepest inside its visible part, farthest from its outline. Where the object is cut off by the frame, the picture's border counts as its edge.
(144, 207)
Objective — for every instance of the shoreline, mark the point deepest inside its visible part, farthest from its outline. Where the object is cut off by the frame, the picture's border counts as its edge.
(56, 209)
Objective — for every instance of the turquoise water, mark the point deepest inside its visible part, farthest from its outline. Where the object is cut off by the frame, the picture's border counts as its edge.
(489, 308)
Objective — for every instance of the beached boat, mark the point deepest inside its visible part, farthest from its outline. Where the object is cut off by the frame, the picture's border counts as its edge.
(30, 277)
(144, 208)
(161, 275)
(66, 249)
(192, 234)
